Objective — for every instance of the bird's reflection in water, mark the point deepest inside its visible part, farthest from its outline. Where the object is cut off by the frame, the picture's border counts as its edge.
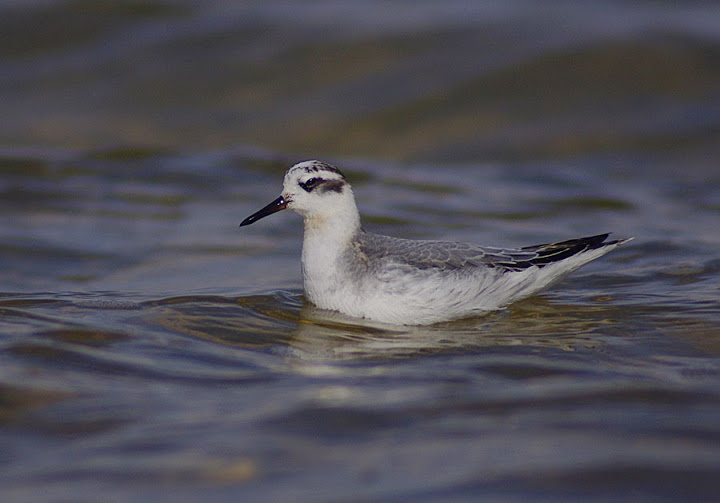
(328, 335)
(283, 324)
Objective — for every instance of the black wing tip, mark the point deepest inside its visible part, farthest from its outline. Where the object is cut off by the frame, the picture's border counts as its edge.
(589, 242)
(598, 241)
(592, 242)
(554, 252)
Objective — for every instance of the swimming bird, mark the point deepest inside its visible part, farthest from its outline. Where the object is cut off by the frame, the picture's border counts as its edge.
(404, 281)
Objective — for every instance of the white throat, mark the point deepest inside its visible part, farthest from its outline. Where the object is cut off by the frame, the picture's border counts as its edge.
(326, 238)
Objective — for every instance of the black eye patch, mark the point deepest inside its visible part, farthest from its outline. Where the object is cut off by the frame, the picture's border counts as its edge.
(310, 184)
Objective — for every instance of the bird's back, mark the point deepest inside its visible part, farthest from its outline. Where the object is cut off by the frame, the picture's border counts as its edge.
(448, 255)
(409, 281)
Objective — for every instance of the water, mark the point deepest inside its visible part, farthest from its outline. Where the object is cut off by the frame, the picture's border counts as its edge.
(152, 351)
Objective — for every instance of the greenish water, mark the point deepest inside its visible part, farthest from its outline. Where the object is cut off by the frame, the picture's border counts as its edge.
(152, 351)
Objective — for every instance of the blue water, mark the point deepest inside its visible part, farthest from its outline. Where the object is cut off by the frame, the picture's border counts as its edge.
(152, 351)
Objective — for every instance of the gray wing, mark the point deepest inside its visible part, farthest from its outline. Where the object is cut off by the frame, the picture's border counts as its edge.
(444, 255)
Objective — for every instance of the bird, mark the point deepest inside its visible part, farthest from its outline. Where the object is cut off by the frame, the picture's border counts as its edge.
(404, 281)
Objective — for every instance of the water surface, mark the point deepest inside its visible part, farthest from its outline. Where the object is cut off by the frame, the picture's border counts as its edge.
(152, 351)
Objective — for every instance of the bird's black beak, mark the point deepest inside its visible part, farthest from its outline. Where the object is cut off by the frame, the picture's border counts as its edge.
(277, 205)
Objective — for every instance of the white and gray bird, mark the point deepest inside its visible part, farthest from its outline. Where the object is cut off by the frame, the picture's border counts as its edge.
(403, 281)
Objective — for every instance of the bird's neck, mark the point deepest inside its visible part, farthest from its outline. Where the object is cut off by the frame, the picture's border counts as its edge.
(331, 231)
(326, 240)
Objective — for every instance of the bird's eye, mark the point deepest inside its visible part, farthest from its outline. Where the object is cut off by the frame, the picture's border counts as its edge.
(311, 184)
